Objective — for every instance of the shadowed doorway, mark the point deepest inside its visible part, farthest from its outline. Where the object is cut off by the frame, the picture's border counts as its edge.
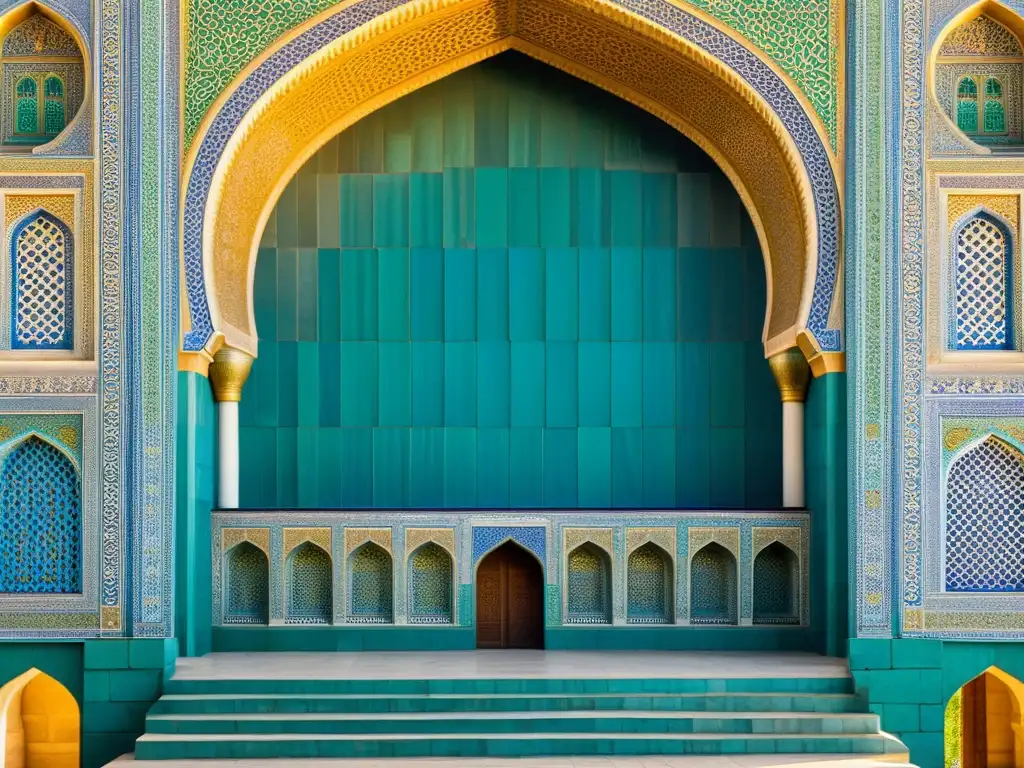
(509, 599)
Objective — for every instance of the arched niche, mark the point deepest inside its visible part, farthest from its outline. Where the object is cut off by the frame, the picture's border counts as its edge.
(976, 76)
(776, 586)
(370, 585)
(40, 45)
(713, 586)
(310, 86)
(588, 584)
(42, 279)
(308, 577)
(431, 585)
(983, 726)
(41, 723)
(246, 585)
(649, 586)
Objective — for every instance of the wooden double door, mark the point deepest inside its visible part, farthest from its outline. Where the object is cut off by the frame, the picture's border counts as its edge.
(509, 599)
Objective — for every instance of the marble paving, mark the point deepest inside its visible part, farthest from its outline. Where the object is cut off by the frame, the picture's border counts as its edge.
(491, 665)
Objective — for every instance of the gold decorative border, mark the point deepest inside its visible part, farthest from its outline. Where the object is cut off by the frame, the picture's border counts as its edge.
(789, 537)
(599, 537)
(729, 538)
(258, 537)
(664, 537)
(294, 537)
(356, 537)
(417, 537)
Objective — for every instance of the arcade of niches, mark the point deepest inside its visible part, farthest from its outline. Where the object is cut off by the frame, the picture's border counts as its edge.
(321, 318)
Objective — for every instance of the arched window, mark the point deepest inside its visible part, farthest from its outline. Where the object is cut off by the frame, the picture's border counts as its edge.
(26, 107)
(430, 585)
(42, 266)
(40, 521)
(995, 112)
(985, 520)
(775, 586)
(589, 586)
(649, 586)
(371, 596)
(247, 590)
(982, 284)
(967, 105)
(713, 592)
(54, 112)
(310, 595)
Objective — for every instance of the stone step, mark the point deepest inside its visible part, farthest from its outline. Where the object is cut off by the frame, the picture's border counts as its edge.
(156, 746)
(541, 702)
(517, 722)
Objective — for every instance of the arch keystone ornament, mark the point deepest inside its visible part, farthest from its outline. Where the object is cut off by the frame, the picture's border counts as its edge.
(677, 64)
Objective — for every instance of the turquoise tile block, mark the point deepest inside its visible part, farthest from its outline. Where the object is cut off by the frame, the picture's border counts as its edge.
(727, 367)
(398, 138)
(627, 294)
(106, 654)
(329, 481)
(595, 296)
(459, 133)
(287, 479)
(659, 298)
(460, 470)
(277, 393)
(257, 453)
(356, 211)
(329, 395)
(96, 685)
(492, 294)
(264, 293)
(627, 384)
(626, 189)
(492, 207)
(460, 285)
(524, 208)
(555, 199)
(899, 718)
(426, 210)
(659, 468)
(359, 313)
(932, 717)
(428, 132)
(328, 295)
(391, 210)
(460, 385)
(526, 467)
(562, 301)
(561, 468)
(693, 305)
(660, 209)
(426, 269)
(728, 278)
(359, 384)
(492, 468)
(693, 194)
(287, 294)
(557, 130)
(627, 467)
(562, 388)
(931, 686)
(491, 126)
(591, 212)
(369, 144)
(925, 748)
(459, 208)
(427, 384)
(659, 384)
(307, 395)
(916, 654)
(527, 384)
(391, 451)
(145, 653)
(693, 384)
(898, 686)
(726, 213)
(357, 466)
(426, 468)
(307, 466)
(595, 377)
(395, 382)
(726, 467)
(526, 292)
(494, 384)
(595, 467)
(869, 653)
(135, 684)
(523, 125)
(393, 294)
(288, 216)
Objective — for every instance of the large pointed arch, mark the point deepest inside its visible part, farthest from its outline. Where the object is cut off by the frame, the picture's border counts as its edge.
(342, 65)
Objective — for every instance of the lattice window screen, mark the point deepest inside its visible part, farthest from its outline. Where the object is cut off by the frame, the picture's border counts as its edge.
(42, 275)
(981, 281)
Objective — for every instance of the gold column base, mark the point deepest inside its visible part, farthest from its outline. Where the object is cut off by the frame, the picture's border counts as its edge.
(792, 374)
(228, 373)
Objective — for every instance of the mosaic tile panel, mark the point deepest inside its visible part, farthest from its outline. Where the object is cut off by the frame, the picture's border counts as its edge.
(293, 537)
(431, 581)
(486, 538)
(982, 283)
(370, 586)
(309, 574)
(776, 586)
(713, 586)
(982, 36)
(38, 36)
(588, 585)
(649, 586)
(247, 592)
(42, 266)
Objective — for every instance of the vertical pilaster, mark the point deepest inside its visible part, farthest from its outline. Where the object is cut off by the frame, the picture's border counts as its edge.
(792, 374)
(228, 373)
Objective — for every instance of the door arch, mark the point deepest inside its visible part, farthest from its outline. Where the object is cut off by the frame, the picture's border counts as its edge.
(509, 599)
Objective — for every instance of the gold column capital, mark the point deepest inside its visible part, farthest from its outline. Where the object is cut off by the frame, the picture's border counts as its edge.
(228, 372)
(792, 374)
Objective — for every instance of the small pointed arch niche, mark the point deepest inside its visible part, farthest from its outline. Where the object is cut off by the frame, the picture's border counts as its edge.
(40, 518)
(43, 79)
(714, 596)
(370, 585)
(309, 585)
(42, 279)
(984, 518)
(649, 586)
(588, 570)
(246, 585)
(42, 723)
(431, 573)
(776, 587)
(978, 76)
(982, 722)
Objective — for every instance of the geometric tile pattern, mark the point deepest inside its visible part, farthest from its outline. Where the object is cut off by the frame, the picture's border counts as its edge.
(985, 520)
(588, 583)
(430, 585)
(247, 594)
(40, 521)
(309, 585)
(776, 585)
(982, 36)
(982, 276)
(371, 582)
(713, 593)
(649, 586)
(42, 264)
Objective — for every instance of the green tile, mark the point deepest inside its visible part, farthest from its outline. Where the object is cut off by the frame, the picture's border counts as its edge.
(661, 208)
(526, 287)
(328, 205)
(627, 467)
(398, 141)
(627, 294)
(359, 384)
(391, 451)
(561, 468)
(523, 126)
(659, 468)
(898, 718)
(459, 208)
(524, 207)
(307, 396)
(868, 653)
(357, 466)
(356, 211)
(306, 204)
(391, 210)
(659, 384)
(359, 294)
(526, 462)
(328, 310)
(693, 308)
(426, 210)
(491, 207)
(726, 467)
(627, 384)
(106, 654)
(493, 468)
(527, 384)
(460, 286)
(459, 116)
(659, 294)
(562, 376)
(369, 139)
(395, 384)
(555, 203)
(595, 467)
(427, 133)
(427, 300)
(626, 190)
(307, 466)
(135, 685)
(147, 654)
(330, 394)
(591, 211)
(494, 384)
(460, 384)
(916, 654)
(329, 481)
(460, 480)
(427, 384)
(493, 294)
(562, 300)
(491, 124)
(426, 468)
(595, 378)
(393, 294)
(96, 686)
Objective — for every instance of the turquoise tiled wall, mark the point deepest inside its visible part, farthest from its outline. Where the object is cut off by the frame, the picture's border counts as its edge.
(510, 289)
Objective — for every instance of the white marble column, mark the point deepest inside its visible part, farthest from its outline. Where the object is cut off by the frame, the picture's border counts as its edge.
(792, 374)
(228, 373)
